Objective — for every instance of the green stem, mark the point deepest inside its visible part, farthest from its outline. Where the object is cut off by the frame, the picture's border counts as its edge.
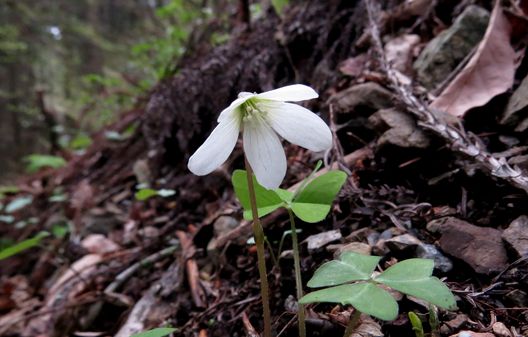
(298, 279)
(259, 241)
(352, 323)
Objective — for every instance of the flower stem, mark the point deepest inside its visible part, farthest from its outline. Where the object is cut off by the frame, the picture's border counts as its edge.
(353, 323)
(298, 279)
(259, 241)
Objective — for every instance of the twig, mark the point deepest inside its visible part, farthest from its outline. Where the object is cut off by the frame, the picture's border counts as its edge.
(127, 273)
(455, 136)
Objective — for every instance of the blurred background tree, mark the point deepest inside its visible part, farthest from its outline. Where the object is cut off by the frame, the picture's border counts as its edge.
(69, 67)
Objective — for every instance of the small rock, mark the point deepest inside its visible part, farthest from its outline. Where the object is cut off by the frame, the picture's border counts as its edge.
(401, 129)
(354, 247)
(455, 324)
(99, 244)
(319, 240)
(443, 53)
(480, 247)
(224, 224)
(368, 94)
(427, 251)
(291, 304)
(387, 234)
(402, 242)
(501, 330)
(516, 235)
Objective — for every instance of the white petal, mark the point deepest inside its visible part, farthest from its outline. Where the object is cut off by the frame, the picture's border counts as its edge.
(216, 148)
(299, 126)
(290, 93)
(265, 153)
(228, 112)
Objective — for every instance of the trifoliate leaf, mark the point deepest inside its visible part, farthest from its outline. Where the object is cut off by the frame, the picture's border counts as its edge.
(365, 297)
(413, 277)
(267, 200)
(349, 267)
(313, 202)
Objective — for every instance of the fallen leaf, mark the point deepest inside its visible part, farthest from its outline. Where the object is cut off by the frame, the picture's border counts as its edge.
(490, 71)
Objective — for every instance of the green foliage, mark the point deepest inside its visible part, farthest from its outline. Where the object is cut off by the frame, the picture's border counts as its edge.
(267, 200)
(411, 277)
(279, 5)
(365, 297)
(147, 193)
(80, 142)
(4, 190)
(10, 43)
(350, 267)
(158, 332)
(416, 323)
(36, 162)
(22, 246)
(311, 204)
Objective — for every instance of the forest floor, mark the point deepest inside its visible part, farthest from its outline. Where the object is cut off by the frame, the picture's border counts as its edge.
(429, 117)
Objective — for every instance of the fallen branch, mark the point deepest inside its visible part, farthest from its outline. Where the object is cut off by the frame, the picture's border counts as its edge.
(434, 120)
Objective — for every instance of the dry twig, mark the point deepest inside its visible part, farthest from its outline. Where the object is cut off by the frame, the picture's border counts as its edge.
(455, 136)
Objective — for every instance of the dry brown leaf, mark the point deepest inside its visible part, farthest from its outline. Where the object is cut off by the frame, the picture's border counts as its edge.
(490, 71)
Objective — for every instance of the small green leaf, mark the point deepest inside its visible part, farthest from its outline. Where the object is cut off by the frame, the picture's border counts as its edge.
(36, 162)
(145, 193)
(60, 230)
(158, 332)
(8, 190)
(21, 246)
(314, 201)
(267, 200)
(365, 297)
(80, 142)
(413, 277)
(309, 178)
(416, 323)
(279, 5)
(350, 267)
(18, 203)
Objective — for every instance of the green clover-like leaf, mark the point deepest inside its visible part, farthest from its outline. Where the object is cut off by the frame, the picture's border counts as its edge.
(267, 200)
(413, 277)
(350, 267)
(313, 202)
(365, 297)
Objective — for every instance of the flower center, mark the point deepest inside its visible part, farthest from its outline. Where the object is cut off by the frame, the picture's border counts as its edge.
(251, 111)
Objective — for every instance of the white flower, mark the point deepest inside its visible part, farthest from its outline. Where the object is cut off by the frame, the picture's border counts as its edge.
(260, 117)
